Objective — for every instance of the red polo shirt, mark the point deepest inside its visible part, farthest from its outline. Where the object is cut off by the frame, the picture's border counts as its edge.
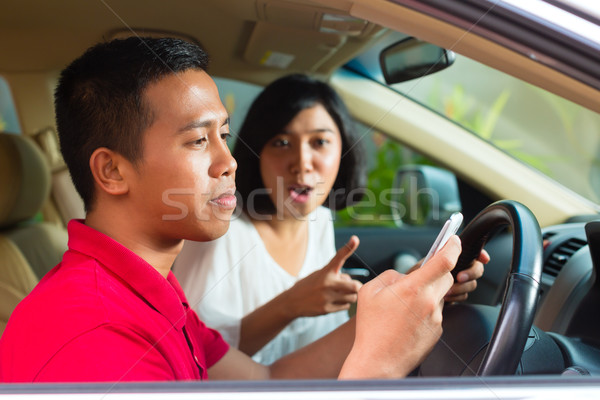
(104, 314)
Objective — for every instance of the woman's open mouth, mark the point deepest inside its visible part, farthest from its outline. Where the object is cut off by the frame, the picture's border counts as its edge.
(300, 193)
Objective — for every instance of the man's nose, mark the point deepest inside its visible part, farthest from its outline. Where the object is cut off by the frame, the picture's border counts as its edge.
(224, 164)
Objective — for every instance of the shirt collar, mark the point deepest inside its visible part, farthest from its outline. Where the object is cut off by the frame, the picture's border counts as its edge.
(165, 295)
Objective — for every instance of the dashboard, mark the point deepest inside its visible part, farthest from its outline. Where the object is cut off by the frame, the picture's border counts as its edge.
(568, 305)
(567, 276)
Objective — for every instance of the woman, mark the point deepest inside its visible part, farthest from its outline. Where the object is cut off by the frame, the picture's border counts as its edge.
(272, 283)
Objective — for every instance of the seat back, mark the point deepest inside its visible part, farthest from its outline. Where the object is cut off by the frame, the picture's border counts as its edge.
(16, 279)
(29, 247)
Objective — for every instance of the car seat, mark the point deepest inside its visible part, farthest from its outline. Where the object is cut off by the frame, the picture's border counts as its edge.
(66, 200)
(29, 247)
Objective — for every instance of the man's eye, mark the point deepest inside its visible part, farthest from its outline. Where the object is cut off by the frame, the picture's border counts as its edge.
(321, 142)
(226, 136)
(199, 141)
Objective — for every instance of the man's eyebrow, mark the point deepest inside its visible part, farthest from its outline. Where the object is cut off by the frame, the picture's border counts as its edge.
(198, 124)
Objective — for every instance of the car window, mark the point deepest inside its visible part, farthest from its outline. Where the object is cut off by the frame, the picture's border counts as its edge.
(237, 97)
(9, 122)
(555, 136)
(383, 156)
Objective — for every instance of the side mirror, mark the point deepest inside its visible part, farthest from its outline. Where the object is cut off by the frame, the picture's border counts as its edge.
(412, 58)
(424, 195)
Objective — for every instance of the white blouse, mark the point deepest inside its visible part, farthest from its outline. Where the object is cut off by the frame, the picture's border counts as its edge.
(227, 278)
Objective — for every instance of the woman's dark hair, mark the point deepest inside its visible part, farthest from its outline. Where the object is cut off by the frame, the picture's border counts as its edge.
(100, 100)
(270, 112)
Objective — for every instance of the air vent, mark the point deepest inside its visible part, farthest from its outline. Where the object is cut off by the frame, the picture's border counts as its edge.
(548, 235)
(559, 257)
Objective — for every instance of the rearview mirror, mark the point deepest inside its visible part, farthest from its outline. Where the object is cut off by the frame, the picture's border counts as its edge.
(412, 58)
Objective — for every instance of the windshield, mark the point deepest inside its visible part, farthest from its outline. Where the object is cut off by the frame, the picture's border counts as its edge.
(555, 136)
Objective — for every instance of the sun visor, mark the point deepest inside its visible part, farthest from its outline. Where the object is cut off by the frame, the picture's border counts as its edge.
(298, 36)
(282, 47)
(311, 17)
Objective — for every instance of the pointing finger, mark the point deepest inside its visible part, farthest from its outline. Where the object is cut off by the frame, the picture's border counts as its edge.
(343, 253)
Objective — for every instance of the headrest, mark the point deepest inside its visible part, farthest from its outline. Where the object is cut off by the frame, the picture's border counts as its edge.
(24, 179)
(47, 140)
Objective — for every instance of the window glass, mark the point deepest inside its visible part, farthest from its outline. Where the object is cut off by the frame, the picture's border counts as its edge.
(555, 136)
(236, 97)
(383, 158)
(9, 122)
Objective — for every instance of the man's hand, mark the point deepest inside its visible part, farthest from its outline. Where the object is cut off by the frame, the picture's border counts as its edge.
(399, 318)
(326, 290)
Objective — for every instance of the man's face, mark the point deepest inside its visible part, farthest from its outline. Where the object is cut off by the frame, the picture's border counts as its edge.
(185, 183)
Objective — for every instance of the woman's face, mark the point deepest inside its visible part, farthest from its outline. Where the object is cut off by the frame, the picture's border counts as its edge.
(300, 164)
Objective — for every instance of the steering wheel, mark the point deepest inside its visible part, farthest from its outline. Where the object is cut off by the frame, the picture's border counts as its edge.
(463, 350)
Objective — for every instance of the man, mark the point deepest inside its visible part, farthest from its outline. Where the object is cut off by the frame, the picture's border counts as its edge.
(144, 133)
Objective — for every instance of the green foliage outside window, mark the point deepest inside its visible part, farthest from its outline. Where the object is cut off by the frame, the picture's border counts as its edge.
(375, 208)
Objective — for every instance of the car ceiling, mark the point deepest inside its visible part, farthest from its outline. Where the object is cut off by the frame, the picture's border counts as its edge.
(38, 36)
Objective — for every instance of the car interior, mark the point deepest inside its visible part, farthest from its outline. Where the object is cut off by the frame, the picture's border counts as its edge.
(30, 246)
(544, 237)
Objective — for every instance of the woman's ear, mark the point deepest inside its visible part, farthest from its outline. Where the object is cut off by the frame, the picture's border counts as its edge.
(107, 168)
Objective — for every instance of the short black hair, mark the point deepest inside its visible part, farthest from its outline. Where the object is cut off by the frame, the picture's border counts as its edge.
(99, 100)
(270, 112)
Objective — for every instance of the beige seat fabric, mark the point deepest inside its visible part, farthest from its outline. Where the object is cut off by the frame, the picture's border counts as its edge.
(16, 279)
(29, 247)
(41, 244)
(24, 179)
(64, 195)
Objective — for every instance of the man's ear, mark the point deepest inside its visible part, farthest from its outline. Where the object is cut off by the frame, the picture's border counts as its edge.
(107, 168)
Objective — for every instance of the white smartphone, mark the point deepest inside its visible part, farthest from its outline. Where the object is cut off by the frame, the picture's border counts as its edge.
(450, 228)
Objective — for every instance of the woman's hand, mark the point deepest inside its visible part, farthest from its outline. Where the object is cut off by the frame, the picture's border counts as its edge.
(326, 290)
(466, 280)
(322, 292)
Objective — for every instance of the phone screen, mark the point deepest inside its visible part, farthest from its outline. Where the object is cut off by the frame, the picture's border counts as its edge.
(450, 228)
